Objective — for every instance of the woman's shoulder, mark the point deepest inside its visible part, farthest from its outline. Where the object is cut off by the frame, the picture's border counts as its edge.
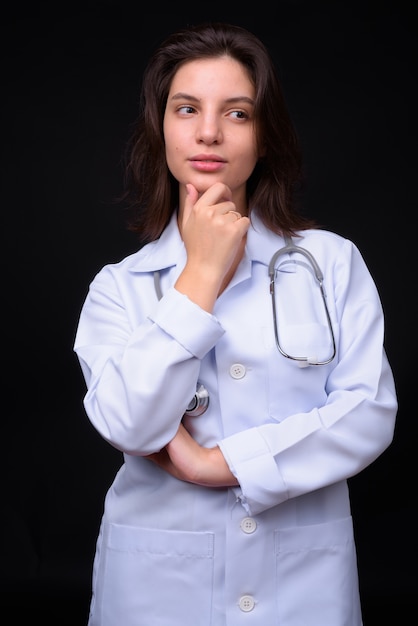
(329, 247)
(153, 256)
(320, 234)
(328, 240)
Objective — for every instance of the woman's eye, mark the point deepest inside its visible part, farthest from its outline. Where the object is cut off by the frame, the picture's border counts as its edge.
(240, 115)
(186, 109)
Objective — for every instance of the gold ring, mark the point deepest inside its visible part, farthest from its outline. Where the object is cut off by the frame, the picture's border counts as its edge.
(236, 213)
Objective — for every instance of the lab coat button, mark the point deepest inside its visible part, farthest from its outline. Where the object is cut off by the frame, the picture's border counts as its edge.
(246, 603)
(248, 525)
(237, 370)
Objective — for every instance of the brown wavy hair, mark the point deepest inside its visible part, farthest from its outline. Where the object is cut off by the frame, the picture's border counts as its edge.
(150, 190)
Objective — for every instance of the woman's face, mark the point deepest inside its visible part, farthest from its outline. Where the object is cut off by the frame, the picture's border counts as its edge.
(209, 128)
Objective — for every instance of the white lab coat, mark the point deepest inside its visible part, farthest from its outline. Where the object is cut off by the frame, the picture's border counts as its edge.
(279, 549)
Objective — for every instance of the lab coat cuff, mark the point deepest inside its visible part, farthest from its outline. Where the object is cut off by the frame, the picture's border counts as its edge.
(191, 326)
(253, 465)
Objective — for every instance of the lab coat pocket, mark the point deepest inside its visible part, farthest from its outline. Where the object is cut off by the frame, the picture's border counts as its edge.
(312, 341)
(322, 558)
(149, 575)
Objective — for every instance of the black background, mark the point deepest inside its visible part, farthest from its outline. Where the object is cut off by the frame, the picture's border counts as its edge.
(70, 84)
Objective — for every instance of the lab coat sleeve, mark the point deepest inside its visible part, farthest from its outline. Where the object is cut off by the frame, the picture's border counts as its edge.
(307, 451)
(140, 369)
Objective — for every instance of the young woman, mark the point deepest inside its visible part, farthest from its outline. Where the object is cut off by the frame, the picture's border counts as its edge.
(244, 381)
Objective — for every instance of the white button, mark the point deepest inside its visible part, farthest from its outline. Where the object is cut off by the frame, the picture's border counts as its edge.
(248, 525)
(246, 603)
(237, 370)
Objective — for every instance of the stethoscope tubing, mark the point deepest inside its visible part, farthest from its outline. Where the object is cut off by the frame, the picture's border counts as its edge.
(290, 248)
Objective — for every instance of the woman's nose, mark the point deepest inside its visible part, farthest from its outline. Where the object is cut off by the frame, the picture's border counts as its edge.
(209, 130)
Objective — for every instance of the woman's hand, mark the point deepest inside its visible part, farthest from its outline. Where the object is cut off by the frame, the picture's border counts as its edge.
(186, 460)
(214, 236)
(211, 229)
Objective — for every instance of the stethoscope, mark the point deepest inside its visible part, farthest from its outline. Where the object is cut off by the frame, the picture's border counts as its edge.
(290, 248)
(200, 401)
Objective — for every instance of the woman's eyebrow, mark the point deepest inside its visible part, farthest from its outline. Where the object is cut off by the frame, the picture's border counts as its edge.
(233, 100)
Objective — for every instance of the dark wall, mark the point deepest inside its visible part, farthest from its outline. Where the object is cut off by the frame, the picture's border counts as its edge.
(71, 76)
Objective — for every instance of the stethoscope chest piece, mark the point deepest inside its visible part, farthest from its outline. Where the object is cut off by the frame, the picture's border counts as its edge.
(199, 403)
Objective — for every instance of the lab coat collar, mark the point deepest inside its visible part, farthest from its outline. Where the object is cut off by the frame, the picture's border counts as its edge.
(262, 243)
(162, 253)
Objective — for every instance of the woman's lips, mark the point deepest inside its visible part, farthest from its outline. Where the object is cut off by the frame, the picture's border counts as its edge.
(207, 163)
